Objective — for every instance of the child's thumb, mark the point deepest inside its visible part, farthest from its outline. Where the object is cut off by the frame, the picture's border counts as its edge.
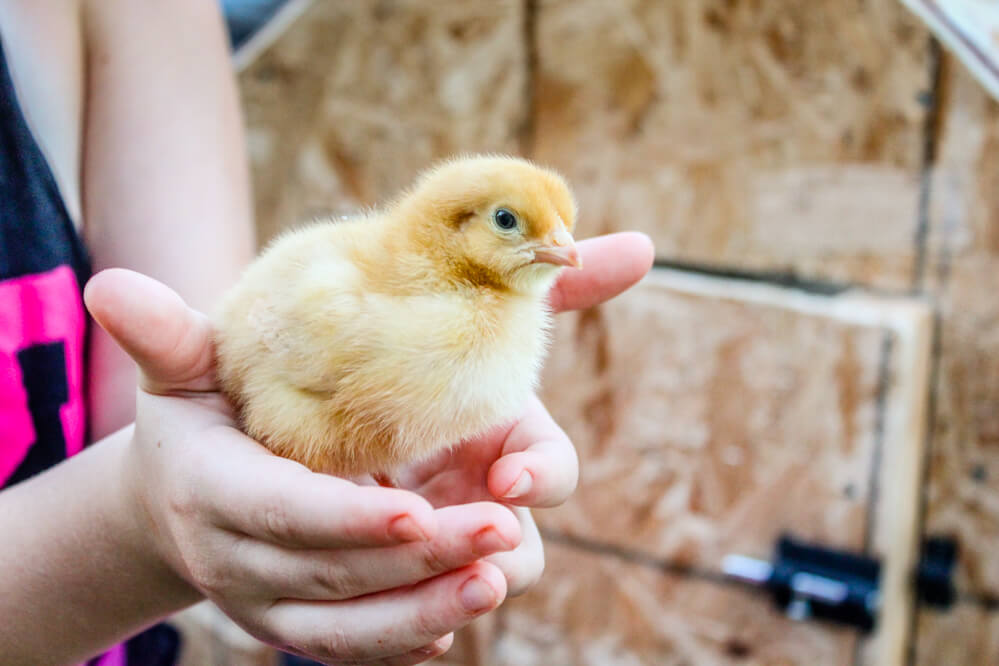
(171, 343)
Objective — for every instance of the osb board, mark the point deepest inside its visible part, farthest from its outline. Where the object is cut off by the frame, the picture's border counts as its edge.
(356, 97)
(962, 273)
(593, 610)
(711, 415)
(714, 424)
(966, 635)
(768, 135)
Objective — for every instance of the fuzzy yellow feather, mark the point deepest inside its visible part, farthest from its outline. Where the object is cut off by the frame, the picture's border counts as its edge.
(357, 346)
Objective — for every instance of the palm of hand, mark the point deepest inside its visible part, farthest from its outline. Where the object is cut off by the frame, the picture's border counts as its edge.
(458, 475)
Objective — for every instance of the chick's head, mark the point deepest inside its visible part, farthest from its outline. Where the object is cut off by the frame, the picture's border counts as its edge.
(498, 222)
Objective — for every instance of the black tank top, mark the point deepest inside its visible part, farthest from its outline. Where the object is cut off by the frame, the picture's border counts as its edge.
(43, 267)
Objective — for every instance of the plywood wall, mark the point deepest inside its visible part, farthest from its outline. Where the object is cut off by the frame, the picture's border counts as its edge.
(962, 273)
(356, 97)
(760, 135)
(711, 416)
(829, 144)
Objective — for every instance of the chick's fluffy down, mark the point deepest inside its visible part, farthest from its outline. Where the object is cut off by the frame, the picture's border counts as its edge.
(360, 345)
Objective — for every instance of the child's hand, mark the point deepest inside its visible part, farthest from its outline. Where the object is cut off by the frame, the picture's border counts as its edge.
(531, 463)
(315, 564)
(310, 563)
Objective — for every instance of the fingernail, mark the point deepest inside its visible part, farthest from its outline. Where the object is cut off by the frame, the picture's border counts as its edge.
(521, 486)
(404, 528)
(477, 595)
(440, 646)
(488, 540)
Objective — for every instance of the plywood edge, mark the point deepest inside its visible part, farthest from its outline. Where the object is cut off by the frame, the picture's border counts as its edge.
(895, 313)
(897, 516)
(909, 323)
(972, 43)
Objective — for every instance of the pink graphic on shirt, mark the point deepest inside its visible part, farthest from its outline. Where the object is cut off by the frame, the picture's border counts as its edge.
(114, 657)
(37, 309)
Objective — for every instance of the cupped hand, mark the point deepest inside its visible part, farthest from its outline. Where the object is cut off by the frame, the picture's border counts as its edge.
(310, 563)
(317, 565)
(531, 462)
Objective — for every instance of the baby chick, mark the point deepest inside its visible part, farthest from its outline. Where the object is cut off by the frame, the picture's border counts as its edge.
(360, 345)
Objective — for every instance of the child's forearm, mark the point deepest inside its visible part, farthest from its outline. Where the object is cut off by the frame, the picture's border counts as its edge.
(165, 177)
(79, 570)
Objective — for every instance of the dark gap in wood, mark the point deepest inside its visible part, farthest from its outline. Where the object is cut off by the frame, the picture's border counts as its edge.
(931, 136)
(877, 457)
(986, 602)
(877, 454)
(634, 556)
(528, 126)
(781, 278)
(948, 223)
(787, 278)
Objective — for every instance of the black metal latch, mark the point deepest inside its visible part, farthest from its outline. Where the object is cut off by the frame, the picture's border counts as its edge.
(811, 581)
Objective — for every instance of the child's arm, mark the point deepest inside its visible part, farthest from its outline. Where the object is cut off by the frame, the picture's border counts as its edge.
(164, 172)
(183, 506)
(152, 519)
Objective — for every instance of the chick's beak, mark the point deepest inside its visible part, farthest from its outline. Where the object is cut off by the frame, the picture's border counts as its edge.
(560, 250)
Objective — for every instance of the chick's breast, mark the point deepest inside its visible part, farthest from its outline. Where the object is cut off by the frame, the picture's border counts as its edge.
(329, 370)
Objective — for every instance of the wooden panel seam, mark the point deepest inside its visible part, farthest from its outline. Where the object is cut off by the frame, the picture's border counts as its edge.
(910, 322)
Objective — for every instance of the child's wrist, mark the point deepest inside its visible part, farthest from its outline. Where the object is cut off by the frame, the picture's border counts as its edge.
(140, 532)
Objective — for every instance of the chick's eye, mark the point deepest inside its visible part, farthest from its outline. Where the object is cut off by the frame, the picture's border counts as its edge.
(505, 219)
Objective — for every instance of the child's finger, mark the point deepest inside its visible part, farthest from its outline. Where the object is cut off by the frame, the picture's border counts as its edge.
(523, 565)
(465, 534)
(267, 497)
(538, 466)
(422, 654)
(389, 623)
(611, 264)
(171, 343)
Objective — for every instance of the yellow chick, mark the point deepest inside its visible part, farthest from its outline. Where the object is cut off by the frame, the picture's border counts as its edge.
(357, 346)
